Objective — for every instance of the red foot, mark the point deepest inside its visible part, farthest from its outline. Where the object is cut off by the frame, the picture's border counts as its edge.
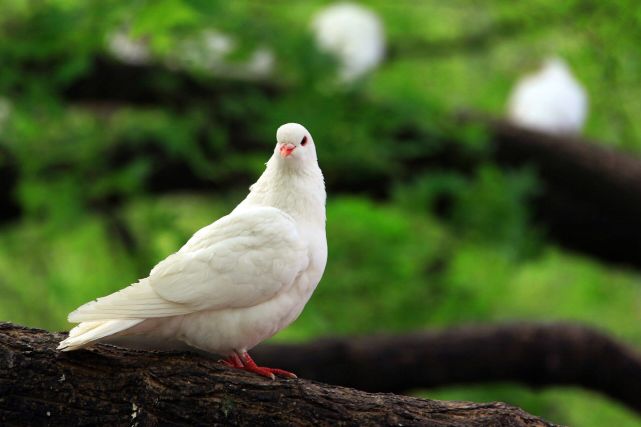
(246, 363)
(232, 361)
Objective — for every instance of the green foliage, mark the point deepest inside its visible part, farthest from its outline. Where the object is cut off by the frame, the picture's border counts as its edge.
(448, 246)
(580, 407)
(493, 208)
(489, 207)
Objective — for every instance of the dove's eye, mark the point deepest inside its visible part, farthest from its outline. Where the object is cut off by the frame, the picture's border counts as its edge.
(304, 140)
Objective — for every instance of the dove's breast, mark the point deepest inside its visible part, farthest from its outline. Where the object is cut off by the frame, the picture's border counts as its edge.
(223, 331)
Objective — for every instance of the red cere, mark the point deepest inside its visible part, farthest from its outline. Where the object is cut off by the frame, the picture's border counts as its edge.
(286, 150)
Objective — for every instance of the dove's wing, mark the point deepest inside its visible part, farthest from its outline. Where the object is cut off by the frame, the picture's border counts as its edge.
(257, 253)
(241, 260)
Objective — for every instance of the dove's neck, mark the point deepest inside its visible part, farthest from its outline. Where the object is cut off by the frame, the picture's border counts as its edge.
(300, 192)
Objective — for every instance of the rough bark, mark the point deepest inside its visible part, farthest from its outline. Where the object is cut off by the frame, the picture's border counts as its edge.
(529, 354)
(112, 386)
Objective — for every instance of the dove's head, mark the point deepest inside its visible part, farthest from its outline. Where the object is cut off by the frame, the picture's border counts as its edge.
(294, 144)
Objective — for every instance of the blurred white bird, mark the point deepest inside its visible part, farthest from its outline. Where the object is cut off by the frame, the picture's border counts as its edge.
(210, 50)
(352, 33)
(237, 281)
(551, 100)
(127, 49)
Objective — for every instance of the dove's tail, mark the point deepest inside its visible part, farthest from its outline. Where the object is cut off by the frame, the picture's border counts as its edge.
(88, 332)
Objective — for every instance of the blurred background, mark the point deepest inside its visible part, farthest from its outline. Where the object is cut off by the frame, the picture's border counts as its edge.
(127, 125)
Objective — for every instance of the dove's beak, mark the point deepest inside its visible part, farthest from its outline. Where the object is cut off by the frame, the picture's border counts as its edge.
(286, 150)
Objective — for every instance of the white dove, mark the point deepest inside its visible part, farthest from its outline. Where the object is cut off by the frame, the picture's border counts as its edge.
(354, 34)
(551, 100)
(237, 281)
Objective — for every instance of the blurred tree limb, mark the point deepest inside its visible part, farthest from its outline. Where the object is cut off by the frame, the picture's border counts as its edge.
(590, 200)
(591, 195)
(534, 355)
(108, 385)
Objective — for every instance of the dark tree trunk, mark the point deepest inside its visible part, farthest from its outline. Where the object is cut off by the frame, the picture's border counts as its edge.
(528, 354)
(111, 386)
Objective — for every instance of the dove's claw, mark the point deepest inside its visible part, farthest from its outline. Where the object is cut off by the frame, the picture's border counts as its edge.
(247, 363)
(226, 363)
(232, 361)
(281, 373)
(263, 372)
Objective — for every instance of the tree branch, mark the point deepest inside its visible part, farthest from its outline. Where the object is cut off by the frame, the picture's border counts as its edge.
(534, 355)
(590, 201)
(108, 385)
(591, 195)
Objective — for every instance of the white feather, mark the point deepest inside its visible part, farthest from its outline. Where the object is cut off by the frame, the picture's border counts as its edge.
(138, 301)
(241, 260)
(87, 332)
